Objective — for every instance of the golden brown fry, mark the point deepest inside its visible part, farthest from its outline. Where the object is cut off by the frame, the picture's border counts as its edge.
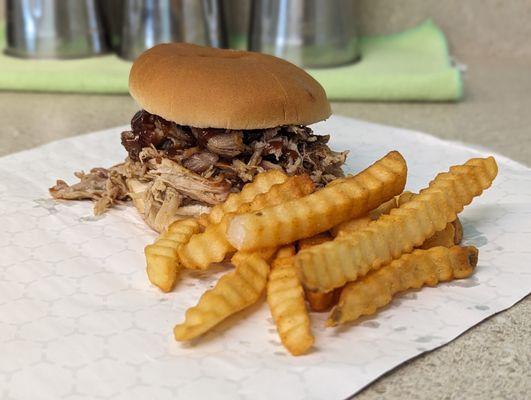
(203, 220)
(458, 229)
(313, 241)
(161, 257)
(351, 226)
(285, 297)
(261, 184)
(292, 188)
(211, 246)
(286, 251)
(266, 254)
(320, 301)
(357, 224)
(332, 264)
(411, 271)
(233, 292)
(403, 199)
(318, 212)
(445, 237)
(448, 237)
(206, 248)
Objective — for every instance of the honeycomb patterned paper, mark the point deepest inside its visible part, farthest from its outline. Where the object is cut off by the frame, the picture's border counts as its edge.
(78, 319)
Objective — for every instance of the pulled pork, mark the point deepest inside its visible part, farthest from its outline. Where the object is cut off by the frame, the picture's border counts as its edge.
(183, 170)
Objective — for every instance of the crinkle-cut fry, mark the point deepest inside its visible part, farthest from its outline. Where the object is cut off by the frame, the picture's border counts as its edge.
(162, 264)
(446, 237)
(319, 211)
(359, 223)
(286, 251)
(458, 231)
(203, 220)
(402, 198)
(451, 235)
(320, 301)
(206, 248)
(233, 292)
(335, 263)
(294, 187)
(313, 241)
(351, 226)
(261, 184)
(411, 271)
(266, 254)
(285, 298)
(211, 246)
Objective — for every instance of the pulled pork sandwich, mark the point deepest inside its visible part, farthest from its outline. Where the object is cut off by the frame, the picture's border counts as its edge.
(211, 119)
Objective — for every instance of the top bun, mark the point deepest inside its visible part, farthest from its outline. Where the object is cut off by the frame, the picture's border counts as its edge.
(206, 87)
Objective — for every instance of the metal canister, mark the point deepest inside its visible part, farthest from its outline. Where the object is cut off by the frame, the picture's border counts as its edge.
(149, 22)
(309, 33)
(112, 14)
(54, 29)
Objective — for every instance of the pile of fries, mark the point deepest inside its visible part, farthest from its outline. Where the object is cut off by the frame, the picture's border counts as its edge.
(349, 247)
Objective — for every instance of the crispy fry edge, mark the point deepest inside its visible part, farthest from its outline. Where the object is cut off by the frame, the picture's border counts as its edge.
(285, 297)
(411, 271)
(234, 291)
(162, 264)
(320, 211)
(332, 264)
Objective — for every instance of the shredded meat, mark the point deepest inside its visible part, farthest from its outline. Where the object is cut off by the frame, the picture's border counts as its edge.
(201, 161)
(105, 186)
(193, 186)
(184, 170)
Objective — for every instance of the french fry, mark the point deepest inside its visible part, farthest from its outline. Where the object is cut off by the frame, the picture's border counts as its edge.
(313, 241)
(359, 223)
(211, 246)
(458, 231)
(333, 264)
(403, 198)
(351, 226)
(233, 292)
(320, 301)
(285, 251)
(411, 271)
(203, 220)
(285, 298)
(446, 237)
(449, 236)
(320, 211)
(266, 254)
(161, 256)
(261, 184)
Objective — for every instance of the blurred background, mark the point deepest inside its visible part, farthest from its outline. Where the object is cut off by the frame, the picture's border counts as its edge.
(473, 27)
(456, 69)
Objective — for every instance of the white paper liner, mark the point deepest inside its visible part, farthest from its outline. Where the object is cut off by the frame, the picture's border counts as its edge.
(79, 320)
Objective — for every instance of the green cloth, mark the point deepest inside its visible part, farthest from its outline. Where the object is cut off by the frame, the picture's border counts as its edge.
(412, 65)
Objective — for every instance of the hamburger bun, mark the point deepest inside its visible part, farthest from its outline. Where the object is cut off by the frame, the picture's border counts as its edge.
(207, 87)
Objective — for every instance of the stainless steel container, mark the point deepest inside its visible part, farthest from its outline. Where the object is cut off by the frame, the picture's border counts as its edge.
(112, 14)
(309, 33)
(149, 22)
(54, 29)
